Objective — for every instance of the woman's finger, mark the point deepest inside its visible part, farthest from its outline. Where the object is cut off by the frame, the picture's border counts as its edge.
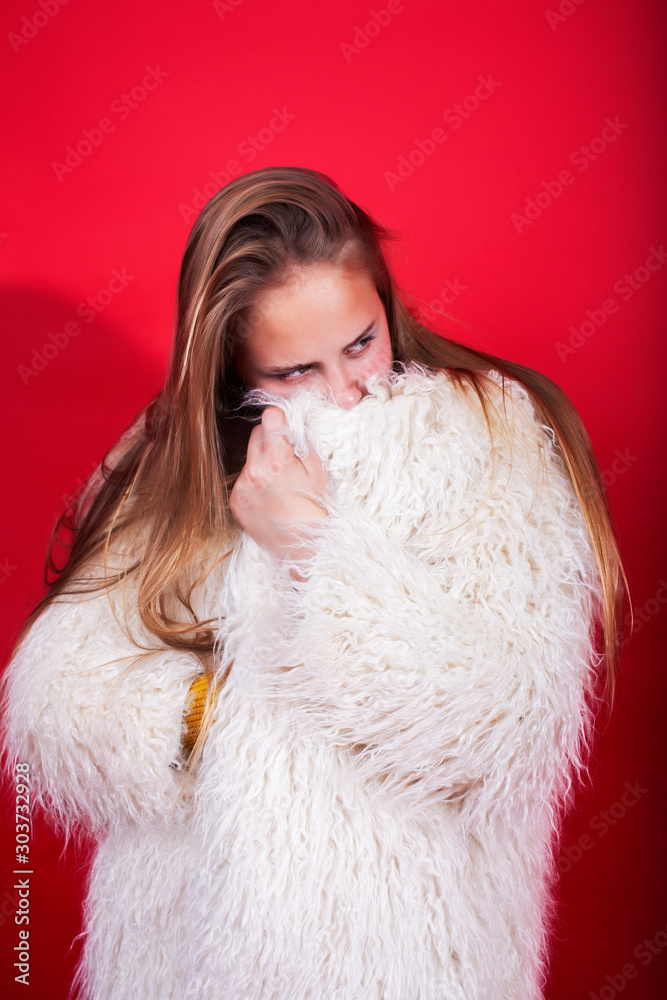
(273, 419)
(269, 451)
(274, 442)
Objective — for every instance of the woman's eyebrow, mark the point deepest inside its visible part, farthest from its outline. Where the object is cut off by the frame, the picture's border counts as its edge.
(309, 364)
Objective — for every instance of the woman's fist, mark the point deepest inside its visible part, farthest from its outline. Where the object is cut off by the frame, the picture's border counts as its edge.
(276, 496)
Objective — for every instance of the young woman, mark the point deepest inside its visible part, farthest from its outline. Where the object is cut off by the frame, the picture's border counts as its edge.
(320, 666)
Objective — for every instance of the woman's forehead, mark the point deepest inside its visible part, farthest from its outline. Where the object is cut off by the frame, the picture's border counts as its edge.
(318, 304)
(316, 285)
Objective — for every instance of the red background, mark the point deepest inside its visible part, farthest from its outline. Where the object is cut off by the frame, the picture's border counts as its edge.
(128, 205)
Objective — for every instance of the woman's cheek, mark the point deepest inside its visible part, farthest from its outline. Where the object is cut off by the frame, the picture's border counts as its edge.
(381, 362)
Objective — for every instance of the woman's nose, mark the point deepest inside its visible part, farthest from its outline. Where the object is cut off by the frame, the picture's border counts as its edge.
(348, 397)
(343, 388)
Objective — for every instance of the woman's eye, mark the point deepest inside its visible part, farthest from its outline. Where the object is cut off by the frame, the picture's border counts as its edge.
(354, 350)
(360, 346)
(293, 375)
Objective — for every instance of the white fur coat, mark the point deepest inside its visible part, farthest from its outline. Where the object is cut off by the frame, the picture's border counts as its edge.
(375, 811)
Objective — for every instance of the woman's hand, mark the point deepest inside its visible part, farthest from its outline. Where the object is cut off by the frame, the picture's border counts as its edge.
(268, 498)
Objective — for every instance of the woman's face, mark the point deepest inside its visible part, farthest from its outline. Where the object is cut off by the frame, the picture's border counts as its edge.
(325, 328)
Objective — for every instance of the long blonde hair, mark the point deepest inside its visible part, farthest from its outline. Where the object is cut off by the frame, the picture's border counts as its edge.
(169, 478)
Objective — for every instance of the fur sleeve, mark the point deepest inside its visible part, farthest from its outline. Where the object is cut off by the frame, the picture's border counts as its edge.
(98, 729)
(445, 633)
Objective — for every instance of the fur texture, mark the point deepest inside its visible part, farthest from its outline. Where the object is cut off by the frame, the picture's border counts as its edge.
(375, 811)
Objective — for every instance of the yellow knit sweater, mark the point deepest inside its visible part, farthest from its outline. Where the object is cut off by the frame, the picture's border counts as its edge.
(193, 714)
